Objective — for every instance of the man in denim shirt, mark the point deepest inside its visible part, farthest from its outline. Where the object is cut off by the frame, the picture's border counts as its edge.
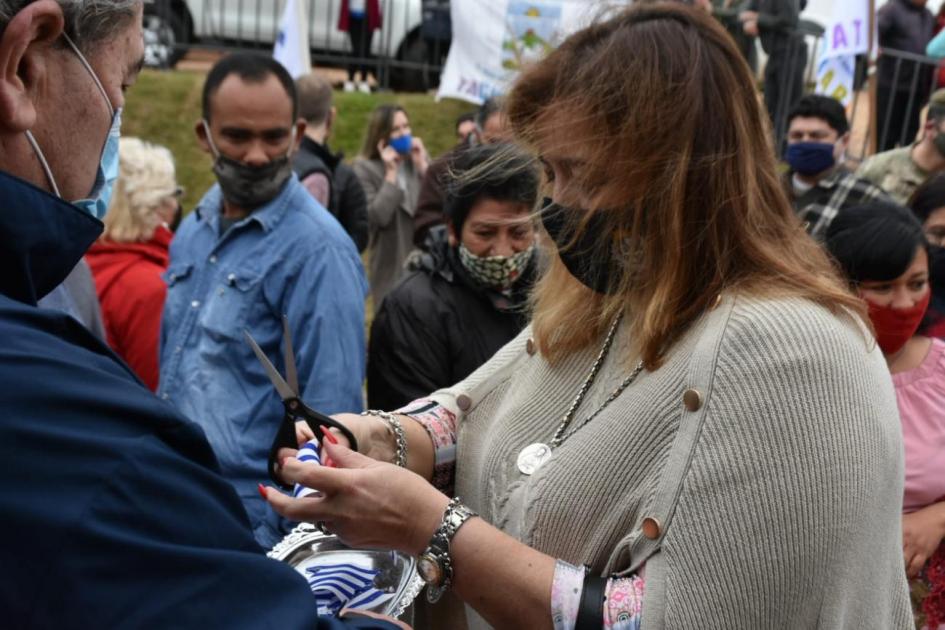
(258, 247)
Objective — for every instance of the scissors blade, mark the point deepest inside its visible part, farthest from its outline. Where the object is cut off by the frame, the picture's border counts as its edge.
(291, 375)
(285, 392)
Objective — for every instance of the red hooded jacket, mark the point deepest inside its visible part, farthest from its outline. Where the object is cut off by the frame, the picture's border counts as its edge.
(373, 12)
(131, 292)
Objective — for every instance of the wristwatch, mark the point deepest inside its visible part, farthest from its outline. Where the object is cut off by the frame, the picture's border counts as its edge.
(435, 564)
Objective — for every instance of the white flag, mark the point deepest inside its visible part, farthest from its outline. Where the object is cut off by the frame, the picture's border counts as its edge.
(291, 48)
(494, 39)
(847, 35)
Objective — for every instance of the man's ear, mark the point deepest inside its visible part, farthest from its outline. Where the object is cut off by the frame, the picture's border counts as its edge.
(330, 122)
(300, 126)
(25, 46)
(201, 132)
(843, 142)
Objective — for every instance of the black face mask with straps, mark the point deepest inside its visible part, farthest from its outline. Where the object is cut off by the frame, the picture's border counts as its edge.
(251, 187)
(245, 186)
(588, 256)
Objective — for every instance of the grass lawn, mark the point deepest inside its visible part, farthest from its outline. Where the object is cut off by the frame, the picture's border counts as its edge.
(164, 106)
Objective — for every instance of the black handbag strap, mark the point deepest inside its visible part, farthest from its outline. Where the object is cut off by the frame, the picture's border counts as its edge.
(591, 610)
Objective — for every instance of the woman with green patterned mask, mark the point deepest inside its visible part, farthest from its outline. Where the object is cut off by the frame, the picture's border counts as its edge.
(465, 295)
(489, 218)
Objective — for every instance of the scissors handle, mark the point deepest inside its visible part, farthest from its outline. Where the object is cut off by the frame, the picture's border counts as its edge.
(296, 410)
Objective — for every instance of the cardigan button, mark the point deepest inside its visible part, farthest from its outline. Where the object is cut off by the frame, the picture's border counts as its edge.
(464, 402)
(530, 346)
(692, 399)
(651, 528)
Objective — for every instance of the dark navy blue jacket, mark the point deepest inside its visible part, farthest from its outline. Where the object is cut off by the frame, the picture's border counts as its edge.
(113, 513)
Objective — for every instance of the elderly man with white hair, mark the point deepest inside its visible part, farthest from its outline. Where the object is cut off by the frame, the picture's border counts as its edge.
(114, 510)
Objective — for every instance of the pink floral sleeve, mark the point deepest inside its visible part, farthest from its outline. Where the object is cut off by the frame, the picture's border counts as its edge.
(440, 425)
(623, 602)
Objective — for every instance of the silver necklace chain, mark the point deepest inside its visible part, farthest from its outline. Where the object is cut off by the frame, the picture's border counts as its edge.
(560, 436)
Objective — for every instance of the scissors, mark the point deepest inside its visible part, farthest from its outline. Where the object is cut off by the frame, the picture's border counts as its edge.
(295, 408)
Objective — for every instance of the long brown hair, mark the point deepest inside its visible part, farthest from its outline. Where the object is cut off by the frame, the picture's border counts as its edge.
(379, 127)
(678, 161)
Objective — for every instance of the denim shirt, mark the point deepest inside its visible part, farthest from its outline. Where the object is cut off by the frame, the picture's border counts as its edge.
(288, 257)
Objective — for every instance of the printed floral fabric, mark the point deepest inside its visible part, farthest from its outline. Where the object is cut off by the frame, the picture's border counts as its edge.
(928, 593)
(623, 599)
(440, 424)
(566, 590)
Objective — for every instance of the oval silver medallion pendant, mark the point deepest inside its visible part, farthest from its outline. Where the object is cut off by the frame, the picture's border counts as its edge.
(533, 457)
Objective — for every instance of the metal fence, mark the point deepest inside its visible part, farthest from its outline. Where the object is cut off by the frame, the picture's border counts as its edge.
(896, 89)
(406, 53)
(904, 82)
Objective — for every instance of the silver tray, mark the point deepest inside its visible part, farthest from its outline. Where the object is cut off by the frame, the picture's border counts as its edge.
(306, 548)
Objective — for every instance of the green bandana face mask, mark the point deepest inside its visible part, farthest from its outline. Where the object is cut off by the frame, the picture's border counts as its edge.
(496, 272)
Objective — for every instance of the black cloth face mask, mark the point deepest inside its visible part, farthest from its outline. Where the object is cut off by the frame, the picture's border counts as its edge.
(590, 257)
(250, 187)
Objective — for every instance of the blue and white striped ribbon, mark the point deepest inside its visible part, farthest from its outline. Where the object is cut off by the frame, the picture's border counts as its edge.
(308, 453)
(338, 586)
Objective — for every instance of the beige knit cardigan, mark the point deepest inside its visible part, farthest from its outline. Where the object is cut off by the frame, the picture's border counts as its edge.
(773, 498)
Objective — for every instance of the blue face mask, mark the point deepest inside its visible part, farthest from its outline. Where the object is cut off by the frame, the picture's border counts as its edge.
(100, 196)
(810, 158)
(402, 144)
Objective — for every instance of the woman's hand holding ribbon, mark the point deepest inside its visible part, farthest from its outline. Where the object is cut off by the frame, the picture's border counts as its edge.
(366, 503)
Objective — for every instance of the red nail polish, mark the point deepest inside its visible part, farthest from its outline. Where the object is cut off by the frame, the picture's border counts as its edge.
(328, 434)
(262, 491)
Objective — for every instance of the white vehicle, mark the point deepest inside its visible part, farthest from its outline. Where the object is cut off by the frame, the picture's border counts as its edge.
(173, 26)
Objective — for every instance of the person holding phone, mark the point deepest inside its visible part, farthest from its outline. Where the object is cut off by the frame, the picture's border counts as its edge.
(391, 166)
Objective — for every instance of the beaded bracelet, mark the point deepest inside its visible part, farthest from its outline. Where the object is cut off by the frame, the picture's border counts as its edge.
(400, 437)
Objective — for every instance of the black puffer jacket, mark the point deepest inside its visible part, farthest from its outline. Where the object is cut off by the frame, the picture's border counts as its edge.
(347, 201)
(437, 326)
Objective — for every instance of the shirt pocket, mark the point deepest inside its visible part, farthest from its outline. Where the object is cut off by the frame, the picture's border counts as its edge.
(228, 303)
(177, 279)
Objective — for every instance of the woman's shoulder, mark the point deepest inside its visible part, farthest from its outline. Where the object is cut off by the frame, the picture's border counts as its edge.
(415, 293)
(364, 167)
(793, 352)
(796, 324)
(929, 373)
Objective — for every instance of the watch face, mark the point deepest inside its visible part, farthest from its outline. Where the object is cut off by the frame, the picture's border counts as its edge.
(430, 569)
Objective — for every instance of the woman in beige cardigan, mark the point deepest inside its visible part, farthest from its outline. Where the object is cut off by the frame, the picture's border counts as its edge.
(390, 168)
(697, 430)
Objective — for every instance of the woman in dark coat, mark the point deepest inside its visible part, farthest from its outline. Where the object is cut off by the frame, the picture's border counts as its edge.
(465, 296)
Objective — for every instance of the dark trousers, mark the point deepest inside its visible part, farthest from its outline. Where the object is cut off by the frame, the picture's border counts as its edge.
(784, 83)
(902, 108)
(361, 38)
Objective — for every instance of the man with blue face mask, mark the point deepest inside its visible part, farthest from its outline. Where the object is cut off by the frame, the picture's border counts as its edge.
(258, 247)
(818, 184)
(76, 295)
(115, 513)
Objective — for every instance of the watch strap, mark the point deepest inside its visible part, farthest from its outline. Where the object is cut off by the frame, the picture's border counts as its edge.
(454, 516)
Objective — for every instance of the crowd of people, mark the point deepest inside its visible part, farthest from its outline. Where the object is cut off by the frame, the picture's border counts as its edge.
(674, 387)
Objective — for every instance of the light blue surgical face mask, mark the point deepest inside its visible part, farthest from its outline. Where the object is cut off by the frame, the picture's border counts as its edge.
(100, 196)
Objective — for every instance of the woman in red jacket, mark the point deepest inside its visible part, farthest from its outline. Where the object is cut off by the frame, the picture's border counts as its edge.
(129, 258)
(359, 19)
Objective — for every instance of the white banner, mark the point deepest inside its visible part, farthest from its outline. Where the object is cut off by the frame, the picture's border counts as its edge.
(291, 49)
(494, 39)
(847, 35)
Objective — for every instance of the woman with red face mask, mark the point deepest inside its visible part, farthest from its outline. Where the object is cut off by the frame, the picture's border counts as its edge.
(884, 253)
